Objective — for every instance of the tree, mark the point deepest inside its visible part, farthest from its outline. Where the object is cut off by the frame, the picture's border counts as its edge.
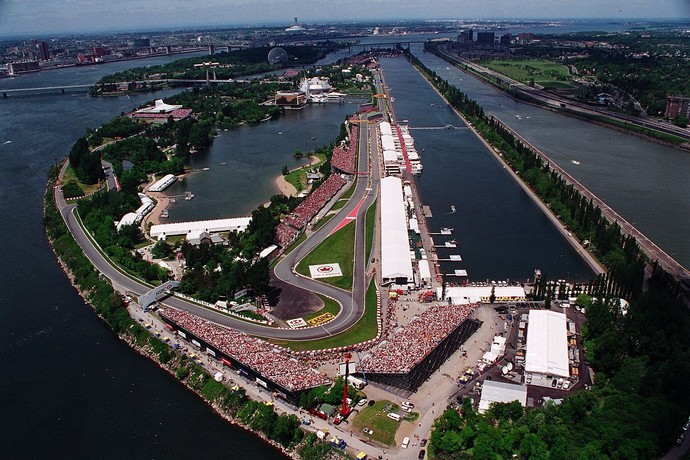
(285, 170)
(492, 297)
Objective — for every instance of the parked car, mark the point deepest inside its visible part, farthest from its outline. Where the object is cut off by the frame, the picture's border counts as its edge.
(368, 431)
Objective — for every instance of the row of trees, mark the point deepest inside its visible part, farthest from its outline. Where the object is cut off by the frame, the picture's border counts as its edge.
(620, 253)
(639, 402)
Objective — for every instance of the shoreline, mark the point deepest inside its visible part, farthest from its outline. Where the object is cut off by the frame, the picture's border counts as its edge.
(591, 261)
(286, 188)
(143, 351)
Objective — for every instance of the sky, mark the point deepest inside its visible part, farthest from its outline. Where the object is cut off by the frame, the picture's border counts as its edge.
(24, 17)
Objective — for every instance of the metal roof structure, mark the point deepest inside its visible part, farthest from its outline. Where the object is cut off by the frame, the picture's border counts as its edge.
(547, 344)
(493, 391)
(395, 247)
(212, 226)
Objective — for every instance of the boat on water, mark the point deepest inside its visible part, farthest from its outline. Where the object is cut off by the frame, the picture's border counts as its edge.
(164, 214)
(575, 162)
(188, 195)
(452, 208)
(446, 230)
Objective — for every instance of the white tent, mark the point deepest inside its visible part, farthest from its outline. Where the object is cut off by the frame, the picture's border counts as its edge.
(547, 344)
(493, 391)
(395, 247)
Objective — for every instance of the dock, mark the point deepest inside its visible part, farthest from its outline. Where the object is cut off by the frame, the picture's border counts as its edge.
(451, 258)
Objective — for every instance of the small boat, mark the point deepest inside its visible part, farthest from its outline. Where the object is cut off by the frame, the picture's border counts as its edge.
(575, 162)
(452, 209)
(222, 164)
(313, 138)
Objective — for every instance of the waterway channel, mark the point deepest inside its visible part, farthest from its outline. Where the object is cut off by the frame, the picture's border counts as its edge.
(645, 182)
(502, 233)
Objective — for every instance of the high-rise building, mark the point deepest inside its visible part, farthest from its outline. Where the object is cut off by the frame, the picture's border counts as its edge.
(486, 38)
(43, 51)
(466, 37)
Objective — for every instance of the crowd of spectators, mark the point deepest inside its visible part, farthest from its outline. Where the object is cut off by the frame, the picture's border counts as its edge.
(343, 158)
(409, 345)
(271, 363)
(288, 230)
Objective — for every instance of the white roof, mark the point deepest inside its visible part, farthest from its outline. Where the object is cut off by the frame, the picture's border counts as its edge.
(211, 226)
(159, 107)
(424, 270)
(385, 128)
(163, 183)
(547, 344)
(395, 248)
(493, 391)
(388, 143)
(128, 219)
(390, 156)
(267, 251)
(471, 294)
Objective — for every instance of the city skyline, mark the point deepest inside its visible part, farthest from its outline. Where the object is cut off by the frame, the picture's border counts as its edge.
(19, 17)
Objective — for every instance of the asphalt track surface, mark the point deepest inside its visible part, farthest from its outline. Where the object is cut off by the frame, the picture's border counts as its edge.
(352, 302)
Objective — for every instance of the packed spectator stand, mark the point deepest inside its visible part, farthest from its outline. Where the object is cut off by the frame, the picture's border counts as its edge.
(409, 345)
(287, 231)
(343, 158)
(272, 363)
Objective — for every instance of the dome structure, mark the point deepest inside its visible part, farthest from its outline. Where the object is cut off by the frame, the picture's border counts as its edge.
(277, 56)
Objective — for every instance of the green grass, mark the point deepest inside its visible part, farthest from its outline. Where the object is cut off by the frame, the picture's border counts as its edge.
(329, 306)
(297, 178)
(337, 248)
(339, 204)
(365, 329)
(71, 176)
(370, 221)
(542, 72)
(375, 419)
(323, 221)
(348, 194)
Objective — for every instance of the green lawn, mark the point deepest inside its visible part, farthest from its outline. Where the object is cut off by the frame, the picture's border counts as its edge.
(329, 306)
(297, 178)
(323, 221)
(375, 419)
(71, 176)
(364, 330)
(370, 221)
(350, 191)
(337, 248)
(339, 204)
(542, 72)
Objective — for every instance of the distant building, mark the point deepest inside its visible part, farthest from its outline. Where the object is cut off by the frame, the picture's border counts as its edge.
(677, 106)
(160, 111)
(505, 39)
(99, 52)
(466, 37)
(291, 99)
(19, 67)
(43, 51)
(142, 43)
(486, 38)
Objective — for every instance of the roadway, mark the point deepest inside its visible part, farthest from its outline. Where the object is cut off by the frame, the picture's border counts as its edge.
(557, 102)
(352, 302)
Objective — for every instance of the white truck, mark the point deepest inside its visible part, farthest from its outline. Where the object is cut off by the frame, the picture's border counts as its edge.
(355, 382)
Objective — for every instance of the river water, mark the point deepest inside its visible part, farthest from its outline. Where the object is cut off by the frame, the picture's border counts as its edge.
(72, 390)
(69, 388)
(645, 182)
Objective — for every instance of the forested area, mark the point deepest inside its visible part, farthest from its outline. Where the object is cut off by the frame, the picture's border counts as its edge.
(649, 66)
(639, 403)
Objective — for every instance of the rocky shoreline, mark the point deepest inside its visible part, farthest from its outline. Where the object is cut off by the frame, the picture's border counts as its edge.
(130, 340)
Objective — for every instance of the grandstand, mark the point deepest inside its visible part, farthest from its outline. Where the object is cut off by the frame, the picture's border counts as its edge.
(412, 354)
(271, 367)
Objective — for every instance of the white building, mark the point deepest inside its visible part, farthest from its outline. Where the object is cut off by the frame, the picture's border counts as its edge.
(162, 231)
(396, 265)
(136, 217)
(473, 294)
(163, 183)
(500, 392)
(547, 347)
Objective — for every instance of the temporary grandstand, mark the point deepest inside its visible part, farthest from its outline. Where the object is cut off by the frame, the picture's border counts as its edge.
(413, 353)
(163, 231)
(547, 347)
(271, 367)
(396, 265)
